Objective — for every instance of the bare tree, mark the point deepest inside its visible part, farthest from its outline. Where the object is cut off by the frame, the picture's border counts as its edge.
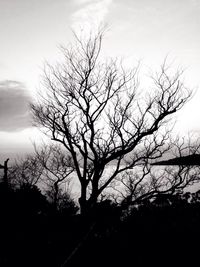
(161, 178)
(94, 109)
(25, 171)
(57, 167)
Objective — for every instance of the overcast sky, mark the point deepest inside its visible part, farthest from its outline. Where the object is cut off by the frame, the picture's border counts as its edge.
(31, 31)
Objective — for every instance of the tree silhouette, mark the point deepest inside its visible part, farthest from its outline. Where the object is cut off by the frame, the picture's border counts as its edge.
(150, 182)
(30, 200)
(57, 167)
(25, 171)
(94, 109)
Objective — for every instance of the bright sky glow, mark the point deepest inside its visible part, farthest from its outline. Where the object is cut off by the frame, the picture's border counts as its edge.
(144, 30)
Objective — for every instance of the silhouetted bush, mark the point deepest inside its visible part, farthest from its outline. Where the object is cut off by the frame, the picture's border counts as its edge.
(30, 200)
(67, 206)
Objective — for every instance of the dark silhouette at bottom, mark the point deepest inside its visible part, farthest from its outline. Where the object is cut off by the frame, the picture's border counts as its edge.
(160, 232)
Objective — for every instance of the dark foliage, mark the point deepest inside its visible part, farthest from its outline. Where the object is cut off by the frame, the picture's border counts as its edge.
(31, 233)
(157, 232)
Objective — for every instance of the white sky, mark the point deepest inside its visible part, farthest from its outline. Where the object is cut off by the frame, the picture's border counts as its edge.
(31, 30)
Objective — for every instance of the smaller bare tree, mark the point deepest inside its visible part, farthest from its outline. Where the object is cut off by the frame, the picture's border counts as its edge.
(25, 171)
(57, 167)
(150, 181)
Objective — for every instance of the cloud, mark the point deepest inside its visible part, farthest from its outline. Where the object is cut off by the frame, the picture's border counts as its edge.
(195, 3)
(80, 2)
(90, 15)
(14, 111)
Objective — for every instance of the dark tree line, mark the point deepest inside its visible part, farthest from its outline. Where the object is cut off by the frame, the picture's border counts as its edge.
(110, 235)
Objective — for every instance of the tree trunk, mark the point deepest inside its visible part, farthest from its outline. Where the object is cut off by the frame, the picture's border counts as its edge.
(87, 204)
(83, 200)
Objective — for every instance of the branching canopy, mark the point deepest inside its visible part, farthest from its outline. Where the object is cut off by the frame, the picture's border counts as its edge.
(95, 111)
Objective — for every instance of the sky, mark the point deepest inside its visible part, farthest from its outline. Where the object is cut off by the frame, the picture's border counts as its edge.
(146, 30)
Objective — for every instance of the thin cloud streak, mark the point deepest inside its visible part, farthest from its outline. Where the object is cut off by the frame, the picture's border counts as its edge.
(91, 15)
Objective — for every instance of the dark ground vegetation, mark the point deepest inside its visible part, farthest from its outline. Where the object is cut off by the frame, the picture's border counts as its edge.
(164, 232)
